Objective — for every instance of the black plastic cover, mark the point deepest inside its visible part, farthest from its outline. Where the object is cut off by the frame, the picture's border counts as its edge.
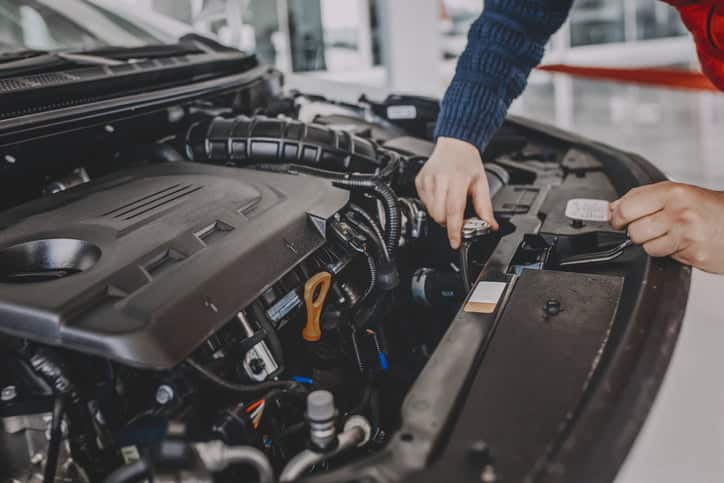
(141, 267)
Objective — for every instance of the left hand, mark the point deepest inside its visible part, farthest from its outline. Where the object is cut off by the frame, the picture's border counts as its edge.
(674, 219)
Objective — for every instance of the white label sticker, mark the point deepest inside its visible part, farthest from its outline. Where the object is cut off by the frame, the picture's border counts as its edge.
(485, 297)
(401, 112)
(587, 210)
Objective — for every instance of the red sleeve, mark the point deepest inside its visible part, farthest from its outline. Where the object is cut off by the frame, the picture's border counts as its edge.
(705, 20)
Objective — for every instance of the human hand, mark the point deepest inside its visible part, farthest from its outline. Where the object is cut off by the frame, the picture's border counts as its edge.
(674, 219)
(453, 172)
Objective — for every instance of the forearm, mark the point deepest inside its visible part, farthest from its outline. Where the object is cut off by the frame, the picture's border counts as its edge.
(504, 45)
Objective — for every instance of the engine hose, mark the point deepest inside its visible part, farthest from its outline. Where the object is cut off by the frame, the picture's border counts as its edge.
(83, 436)
(56, 436)
(248, 390)
(245, 140)
(131, 473)
(393, 217)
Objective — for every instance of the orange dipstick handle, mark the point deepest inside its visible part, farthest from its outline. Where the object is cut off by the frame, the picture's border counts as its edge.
(319, 285)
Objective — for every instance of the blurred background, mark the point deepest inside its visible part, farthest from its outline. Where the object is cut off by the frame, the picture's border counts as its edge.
(342, 48)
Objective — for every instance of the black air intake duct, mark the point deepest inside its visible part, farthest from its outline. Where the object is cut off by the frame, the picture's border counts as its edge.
(243, 141)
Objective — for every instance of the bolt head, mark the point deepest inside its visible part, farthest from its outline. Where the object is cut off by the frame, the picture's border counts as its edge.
(256, 365)
(475, 227)
(479, 453)
(164, 394)
(552, 307)
(8, 393)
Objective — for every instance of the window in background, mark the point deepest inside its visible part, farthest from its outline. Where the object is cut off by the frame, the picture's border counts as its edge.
(655, 19)
(349, 34)
(597, 22)
(78, 25)
(456, 18)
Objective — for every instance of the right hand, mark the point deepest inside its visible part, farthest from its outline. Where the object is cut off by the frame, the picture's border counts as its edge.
(454, 171)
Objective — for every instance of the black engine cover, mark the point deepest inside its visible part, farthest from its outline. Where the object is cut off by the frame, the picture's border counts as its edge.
(143, 266)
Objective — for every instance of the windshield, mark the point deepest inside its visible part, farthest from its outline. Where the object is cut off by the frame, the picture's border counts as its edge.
(71, 25)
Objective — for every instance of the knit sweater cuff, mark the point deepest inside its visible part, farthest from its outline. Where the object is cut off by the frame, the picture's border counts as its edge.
(472, 112)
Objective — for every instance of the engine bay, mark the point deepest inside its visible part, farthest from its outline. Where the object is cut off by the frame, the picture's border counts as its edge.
(257, 294)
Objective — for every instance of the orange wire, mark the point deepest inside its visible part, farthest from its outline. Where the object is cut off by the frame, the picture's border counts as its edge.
(255, 405)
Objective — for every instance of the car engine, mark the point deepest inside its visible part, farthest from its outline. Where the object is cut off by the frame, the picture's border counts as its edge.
(237, 291)
(249, 293)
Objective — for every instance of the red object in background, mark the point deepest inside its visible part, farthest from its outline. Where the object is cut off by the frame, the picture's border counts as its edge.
(677, 79)
(705, 20)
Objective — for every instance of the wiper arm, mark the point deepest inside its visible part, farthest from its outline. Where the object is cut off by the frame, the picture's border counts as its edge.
(20, 55)
(144, 52)
(87, 59)
(38, 61)
(49, 61)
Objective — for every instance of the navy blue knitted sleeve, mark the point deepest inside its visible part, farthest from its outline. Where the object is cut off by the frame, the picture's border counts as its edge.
(504, 45)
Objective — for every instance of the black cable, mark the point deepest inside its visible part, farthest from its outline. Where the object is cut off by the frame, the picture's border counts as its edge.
(56, 436)
(364, 400)
(85, 446)
(131, 473)
(372, 313)
(373, 279)
(373, 228)
(248, 390)
(393, 217)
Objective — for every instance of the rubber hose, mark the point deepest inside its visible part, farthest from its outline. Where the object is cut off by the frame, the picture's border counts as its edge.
(243, 140)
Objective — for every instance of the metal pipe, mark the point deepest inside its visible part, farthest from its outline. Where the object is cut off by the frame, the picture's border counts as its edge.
(217, 457)
(356, 434)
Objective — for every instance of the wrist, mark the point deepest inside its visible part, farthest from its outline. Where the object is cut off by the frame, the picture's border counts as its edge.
(456, 146)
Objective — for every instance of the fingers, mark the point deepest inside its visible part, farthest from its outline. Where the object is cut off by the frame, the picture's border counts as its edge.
(649, 228)
(638, 203)
(662, 246)
(438, 201)
(426, 190)
(481, 202)
(457, 198)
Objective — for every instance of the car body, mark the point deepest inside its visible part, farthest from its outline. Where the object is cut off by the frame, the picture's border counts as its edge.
(165, 239)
